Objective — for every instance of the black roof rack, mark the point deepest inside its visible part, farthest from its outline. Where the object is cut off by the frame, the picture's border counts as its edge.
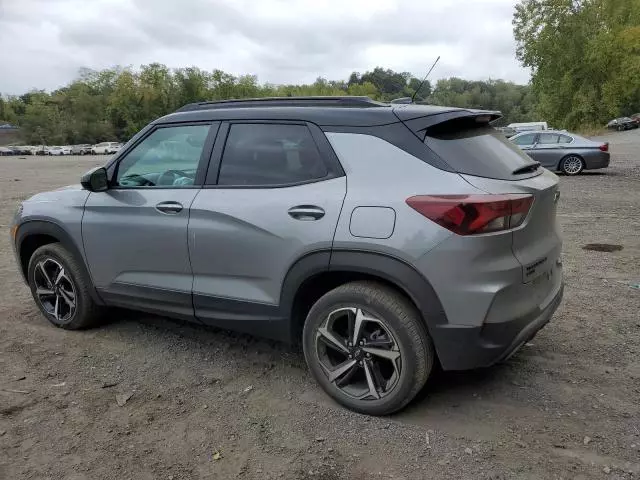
(284, 102)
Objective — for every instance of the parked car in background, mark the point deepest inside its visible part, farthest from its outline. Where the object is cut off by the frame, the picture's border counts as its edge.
(386, 239)
(105, 148)
(59, 151)
(507, 131)
(22, 150)
(4, 151)
(636, 118)
(563, 151)
(83, 149)
(528, 126)
(622, 123)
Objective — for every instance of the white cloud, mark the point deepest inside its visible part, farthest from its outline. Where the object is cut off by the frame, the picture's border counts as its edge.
(43, 43)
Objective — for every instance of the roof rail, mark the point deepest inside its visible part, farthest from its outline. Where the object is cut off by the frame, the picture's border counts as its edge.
(345, 101)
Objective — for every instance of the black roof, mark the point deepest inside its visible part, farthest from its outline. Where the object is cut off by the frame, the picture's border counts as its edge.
(323, 111)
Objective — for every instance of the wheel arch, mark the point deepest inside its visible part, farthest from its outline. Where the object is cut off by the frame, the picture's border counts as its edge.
(34, 234)
(319, 272)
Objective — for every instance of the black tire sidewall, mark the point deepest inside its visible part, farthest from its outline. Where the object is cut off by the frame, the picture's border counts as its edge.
(57, 253)
(335, 300)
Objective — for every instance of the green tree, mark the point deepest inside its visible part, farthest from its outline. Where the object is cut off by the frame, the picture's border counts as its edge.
(584, 56)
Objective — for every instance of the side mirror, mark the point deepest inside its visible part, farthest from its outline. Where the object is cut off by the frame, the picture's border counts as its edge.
(95, 180)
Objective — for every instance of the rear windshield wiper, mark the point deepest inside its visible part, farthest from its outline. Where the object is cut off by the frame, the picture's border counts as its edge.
(530, 167)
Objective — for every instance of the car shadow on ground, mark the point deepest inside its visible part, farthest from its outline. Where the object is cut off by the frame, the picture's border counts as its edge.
(443, 391)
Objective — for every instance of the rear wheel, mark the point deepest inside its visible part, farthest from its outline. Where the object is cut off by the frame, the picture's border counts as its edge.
(571, 165)
(366, 346)
(60, 288)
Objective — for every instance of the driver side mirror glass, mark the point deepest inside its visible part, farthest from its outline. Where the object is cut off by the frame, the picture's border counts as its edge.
(95, 180)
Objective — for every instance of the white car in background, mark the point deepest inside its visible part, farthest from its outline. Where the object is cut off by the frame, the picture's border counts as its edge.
(105, 148)
(59, 151)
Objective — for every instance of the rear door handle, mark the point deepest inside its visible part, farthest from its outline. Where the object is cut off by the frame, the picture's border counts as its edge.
(169, 208)
(306, 212)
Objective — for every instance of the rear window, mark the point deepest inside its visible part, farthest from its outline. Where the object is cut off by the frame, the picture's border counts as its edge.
(480, 151)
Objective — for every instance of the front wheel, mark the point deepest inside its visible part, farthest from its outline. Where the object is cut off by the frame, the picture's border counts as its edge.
(61, 289)
(571, 165)
(367, 347)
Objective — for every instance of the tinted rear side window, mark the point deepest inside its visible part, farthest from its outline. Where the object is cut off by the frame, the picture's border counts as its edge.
(480, 151)
(524, 139)
(548, 138)
(270, 154)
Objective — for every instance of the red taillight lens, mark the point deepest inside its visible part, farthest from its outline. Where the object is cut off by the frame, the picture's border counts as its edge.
(473, 214)
(604, 147)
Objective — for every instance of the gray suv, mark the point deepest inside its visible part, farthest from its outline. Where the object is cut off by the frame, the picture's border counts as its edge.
(385, 238)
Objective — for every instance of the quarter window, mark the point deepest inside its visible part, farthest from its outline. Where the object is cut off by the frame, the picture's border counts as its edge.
(169, 157)
(270, 154)
(564, 139)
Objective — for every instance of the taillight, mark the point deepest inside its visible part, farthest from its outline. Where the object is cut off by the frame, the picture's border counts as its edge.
(604, 147)
(473, 214)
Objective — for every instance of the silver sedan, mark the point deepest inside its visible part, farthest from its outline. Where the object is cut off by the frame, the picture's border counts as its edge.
(564, 151)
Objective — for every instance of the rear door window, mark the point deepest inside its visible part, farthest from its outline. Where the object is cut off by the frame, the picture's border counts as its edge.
(527, 139)
(270, 154)
(548, 138)
(480, 151)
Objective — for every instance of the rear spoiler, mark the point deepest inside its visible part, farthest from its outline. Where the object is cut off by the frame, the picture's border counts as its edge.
(420, 119)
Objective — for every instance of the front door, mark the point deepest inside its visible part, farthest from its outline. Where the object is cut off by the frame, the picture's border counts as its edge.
(273, 195)
(135, 233)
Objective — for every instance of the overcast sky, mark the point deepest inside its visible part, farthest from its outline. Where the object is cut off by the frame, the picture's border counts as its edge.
(43, 43)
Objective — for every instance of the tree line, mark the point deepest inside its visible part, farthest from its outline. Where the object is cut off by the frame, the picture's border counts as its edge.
(113, 104)
(584, 56)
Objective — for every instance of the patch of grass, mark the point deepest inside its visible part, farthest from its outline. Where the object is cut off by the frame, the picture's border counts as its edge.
(591, 131)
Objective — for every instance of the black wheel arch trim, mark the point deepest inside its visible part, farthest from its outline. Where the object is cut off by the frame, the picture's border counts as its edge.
(387, 267)
(47, 227)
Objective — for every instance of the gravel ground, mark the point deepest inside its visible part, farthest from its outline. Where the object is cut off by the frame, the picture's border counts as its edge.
(211, 404)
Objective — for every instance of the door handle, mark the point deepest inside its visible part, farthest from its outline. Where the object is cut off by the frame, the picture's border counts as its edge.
(306, 212)
(169, 208)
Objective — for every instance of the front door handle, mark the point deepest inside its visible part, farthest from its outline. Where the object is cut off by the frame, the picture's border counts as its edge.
(169, 208)
(306, 212)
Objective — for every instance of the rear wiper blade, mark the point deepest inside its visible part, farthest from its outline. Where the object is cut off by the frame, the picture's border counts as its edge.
(530, 167)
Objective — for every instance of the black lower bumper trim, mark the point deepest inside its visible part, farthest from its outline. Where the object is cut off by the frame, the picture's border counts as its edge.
(462, 347)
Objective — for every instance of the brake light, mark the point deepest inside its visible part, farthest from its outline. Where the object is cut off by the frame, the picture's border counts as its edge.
(473, 214)
(604, 147)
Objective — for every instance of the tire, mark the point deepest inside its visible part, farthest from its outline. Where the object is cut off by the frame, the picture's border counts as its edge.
(73, 284)
(569, 165)
(398, 325)
(620, 128)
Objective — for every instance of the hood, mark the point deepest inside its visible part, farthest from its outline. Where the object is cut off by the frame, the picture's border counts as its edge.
(61, 194)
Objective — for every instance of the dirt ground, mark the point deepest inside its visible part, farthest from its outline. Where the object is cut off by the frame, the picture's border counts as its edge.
(210, 404)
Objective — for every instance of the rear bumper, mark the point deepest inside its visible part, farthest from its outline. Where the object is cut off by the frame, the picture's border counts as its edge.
(599, 161)
(463, 347)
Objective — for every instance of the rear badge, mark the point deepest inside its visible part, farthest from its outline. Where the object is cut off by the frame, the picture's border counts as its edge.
(531, 269)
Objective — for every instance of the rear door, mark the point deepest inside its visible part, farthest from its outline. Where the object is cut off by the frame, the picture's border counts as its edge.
(526, 142)
(548, 150)
(273, 194)
(135, 233)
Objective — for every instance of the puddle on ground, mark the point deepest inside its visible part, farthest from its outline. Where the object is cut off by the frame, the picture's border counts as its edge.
(602, 247)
